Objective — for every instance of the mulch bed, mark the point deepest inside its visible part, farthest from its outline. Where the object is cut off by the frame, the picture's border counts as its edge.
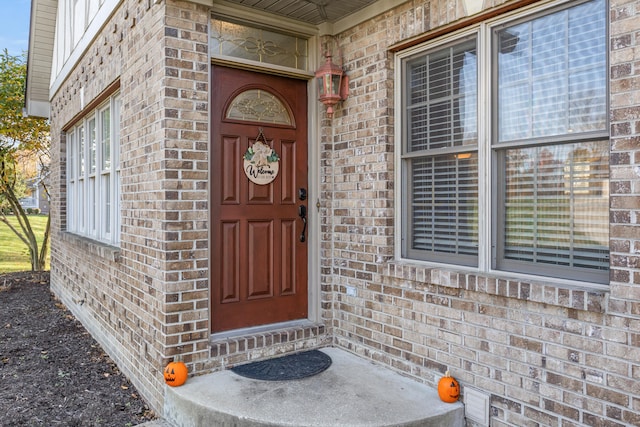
(53, 372)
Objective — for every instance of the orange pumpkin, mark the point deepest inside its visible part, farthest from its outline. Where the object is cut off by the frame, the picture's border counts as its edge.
(175, 374)
(448, 388)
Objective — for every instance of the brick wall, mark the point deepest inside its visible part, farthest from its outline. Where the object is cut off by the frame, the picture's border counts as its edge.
(547, 354)
(147, 300)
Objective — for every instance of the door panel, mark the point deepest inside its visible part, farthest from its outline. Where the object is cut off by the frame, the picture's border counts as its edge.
(258, 262)
(230, 176)
(230, 277)
(288, 183)
(288, 268)
(260, 280)
(260, 194)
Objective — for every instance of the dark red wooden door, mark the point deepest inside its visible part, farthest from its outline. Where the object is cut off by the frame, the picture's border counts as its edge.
(258, 262)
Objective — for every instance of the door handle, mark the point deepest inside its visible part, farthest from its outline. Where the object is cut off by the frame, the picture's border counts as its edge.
(302, 212)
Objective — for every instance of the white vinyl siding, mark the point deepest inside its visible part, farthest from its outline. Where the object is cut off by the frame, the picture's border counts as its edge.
(79, 18)
(77, 24)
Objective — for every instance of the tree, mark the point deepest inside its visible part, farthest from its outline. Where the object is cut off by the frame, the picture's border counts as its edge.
(20, 138)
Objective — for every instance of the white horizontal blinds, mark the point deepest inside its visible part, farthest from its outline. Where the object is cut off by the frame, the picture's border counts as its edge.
(440, 158)
(553, 208)
(442, 98)
(552, 74)
(556, 205)
(587, 67)
(444, 205)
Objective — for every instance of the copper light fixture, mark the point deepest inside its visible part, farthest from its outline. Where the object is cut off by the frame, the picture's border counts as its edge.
(333, 84)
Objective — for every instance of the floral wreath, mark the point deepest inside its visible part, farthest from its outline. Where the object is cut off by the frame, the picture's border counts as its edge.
(260, 154)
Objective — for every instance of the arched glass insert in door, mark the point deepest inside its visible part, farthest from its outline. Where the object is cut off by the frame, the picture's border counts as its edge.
(258, 105)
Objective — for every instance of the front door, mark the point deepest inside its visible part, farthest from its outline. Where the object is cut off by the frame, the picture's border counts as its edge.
(258, 262)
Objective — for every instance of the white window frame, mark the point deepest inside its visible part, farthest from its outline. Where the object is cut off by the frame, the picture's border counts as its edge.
(487, 194)
(93, 196)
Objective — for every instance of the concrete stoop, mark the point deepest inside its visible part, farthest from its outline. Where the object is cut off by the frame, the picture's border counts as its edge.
(352, 392)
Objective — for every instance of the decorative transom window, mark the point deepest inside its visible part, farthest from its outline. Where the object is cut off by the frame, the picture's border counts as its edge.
(505, 149)
(93, 174)
(247, 42)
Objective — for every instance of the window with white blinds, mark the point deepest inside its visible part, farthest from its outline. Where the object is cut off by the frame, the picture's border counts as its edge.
(444, 210)
(555, 210)
(441, 154)
(93, 197)
(552, 74)
(544, 198)
(442, 98)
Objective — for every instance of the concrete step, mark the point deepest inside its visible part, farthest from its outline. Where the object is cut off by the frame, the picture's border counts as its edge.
(352, 392)
(155, 423)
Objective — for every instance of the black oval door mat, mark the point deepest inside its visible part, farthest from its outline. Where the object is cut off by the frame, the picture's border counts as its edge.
(291, 367)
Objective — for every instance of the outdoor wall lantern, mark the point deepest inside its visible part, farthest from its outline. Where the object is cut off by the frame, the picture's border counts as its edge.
(333, 84)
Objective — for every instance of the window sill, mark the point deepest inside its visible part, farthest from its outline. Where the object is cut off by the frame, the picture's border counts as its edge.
(576, 297)
(93, 247)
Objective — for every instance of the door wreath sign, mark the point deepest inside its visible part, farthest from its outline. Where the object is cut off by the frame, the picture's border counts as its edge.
(261, 161)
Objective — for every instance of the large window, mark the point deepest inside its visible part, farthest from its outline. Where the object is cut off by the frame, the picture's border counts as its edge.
(519, 184)
(441, 153)
(93, 174)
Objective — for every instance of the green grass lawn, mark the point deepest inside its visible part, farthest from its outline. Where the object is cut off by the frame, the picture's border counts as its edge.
(14, 255)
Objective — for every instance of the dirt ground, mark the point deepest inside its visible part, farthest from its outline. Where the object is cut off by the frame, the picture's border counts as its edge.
(53, 372)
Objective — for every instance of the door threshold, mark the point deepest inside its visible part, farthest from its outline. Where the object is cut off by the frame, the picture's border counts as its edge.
(270, 328)
(231, 348)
